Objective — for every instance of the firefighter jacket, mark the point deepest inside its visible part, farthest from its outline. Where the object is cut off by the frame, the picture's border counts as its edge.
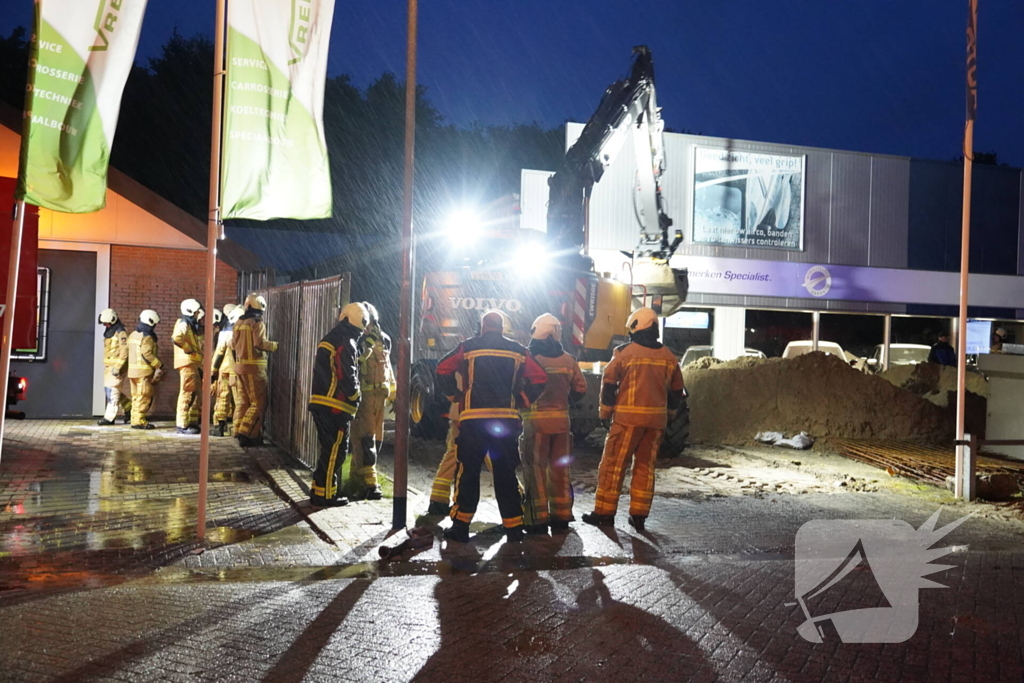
(224, 356)
(501, 376)
(641, 384)
(375, 372)
(115, 354)
(550, 412)
(188, 343)
(335, 374)
(142, 352)
(250, 345)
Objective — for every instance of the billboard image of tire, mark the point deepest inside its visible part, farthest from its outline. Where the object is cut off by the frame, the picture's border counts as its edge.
(748, 199)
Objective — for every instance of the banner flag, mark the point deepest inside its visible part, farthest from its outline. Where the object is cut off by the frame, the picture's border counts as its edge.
(275, 153)
(972, 58)
(81, 54)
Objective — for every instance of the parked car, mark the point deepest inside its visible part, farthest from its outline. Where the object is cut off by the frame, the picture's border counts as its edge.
(697, 352)
(799, 348)
(899, 354)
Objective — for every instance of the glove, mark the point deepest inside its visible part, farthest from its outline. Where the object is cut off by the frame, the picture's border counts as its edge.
(606, 423)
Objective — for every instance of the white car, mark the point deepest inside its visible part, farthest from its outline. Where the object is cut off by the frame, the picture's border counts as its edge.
(799, 348)
(697, 352)
(899, 354)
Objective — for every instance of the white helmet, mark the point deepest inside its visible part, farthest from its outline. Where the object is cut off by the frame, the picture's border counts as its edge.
(1001, 332)
(255, 301)
(228, 308)
(373, 318)
(356, 314)
(149, 317)
(217, 316)
(190, 307)
(641, 319)
(108, 316)
(235, 314)
(546, 326)
(490, 320)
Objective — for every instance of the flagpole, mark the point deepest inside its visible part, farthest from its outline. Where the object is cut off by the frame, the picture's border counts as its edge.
(400, 501)
(12, 296)
(963, 476)
(213, 229)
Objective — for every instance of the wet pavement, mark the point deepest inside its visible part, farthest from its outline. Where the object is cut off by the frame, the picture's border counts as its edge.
(101, 577)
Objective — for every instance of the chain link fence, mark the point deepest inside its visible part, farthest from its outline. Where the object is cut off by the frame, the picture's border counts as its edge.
(298, 316)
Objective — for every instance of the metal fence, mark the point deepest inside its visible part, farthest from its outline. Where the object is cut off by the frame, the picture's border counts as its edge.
(298, 316)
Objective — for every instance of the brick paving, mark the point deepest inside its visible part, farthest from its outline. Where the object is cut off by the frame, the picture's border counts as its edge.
(101, 578)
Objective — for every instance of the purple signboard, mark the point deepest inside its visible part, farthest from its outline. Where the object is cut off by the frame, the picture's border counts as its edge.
(791, 280)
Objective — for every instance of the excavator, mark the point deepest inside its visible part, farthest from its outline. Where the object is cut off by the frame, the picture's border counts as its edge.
(525, 273)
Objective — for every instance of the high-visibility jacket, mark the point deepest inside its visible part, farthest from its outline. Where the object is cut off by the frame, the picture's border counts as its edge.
(640, 386)
(375, 370)
(142, 355)
(501, 377)
(224, 355)
(188, 345)
(335, 374)
(115, 354)
(550, 412)
(250, 345)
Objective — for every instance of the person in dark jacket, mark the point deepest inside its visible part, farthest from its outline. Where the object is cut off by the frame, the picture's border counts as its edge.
(334, 401)
(942, 353)
(501, 378)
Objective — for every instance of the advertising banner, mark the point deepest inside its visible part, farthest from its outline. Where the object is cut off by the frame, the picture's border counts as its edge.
(790, 280)
(81, 54)
(275, 154)
(748, 199)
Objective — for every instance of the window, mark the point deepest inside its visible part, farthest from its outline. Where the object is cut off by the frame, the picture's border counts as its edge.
(42, 319)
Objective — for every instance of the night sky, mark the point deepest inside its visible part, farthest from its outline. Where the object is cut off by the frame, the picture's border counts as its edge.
(865, 75)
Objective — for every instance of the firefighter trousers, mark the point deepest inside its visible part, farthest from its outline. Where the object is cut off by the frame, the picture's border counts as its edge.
(250, 403)
(142, 399)
(117, 400)
(332, 431)
(548, 494)
(187, 414)
(367, 433)
(224, 405)
(639, 444)
(476, 441)
(441, 491)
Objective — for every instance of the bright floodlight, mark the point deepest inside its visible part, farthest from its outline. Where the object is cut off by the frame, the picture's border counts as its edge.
(463, 225)
(529, 260)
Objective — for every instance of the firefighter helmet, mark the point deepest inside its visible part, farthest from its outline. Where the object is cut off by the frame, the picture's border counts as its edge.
(356, 314)
(108, 316)
(190, 307)
(235, 314)
(546, 326)
(217, 316)
(641, 319)
(495, 320)
(373, 318)
(256, 302)
(227, 308)
(1001, 332)
(149, 317)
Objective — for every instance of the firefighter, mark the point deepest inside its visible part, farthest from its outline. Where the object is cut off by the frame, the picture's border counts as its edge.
(441, 490)
(334, 401)
(144, 368)
(641, 388)
(376, 386)
(188, 361)
(546, 442)
(223, 365)
(501, 377)
(250, 346)
(115, 364)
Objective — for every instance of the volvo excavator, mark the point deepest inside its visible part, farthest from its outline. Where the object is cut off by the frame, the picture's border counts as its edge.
(526, 273)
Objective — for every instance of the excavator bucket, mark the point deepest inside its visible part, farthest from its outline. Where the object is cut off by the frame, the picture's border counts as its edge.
(682, 279)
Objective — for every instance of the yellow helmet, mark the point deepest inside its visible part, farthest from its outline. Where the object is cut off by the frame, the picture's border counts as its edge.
(255, 301)
(356, 314)
(641, 319)
(546, 326)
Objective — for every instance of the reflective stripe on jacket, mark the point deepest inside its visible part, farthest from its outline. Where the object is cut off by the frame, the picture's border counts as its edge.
(335, 375)
(640, 385)
(550, 413)
(188, 345)
(142, 355)
(250, 346)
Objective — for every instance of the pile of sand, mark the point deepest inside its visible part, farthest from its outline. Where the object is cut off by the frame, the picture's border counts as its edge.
(817, 393)
(703, 363)
(933, 382)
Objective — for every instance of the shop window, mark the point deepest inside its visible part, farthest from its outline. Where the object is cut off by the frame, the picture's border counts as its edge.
(42, 319)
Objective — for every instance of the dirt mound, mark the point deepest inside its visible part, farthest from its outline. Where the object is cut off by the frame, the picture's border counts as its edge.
(933, 382)
(817, 393)
(703, 363)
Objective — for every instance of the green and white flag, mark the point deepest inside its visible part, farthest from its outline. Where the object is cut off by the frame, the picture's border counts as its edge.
(81, 54)
(275, 154)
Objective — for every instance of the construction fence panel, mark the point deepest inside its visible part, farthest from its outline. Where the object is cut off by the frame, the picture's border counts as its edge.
(298, 316)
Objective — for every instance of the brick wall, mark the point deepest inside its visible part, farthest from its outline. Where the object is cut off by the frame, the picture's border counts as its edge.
(146, 277)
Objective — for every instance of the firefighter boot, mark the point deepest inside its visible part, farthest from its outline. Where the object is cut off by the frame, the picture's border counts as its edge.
(148, 425)
(598, 520)
(127, 417)
(187, 430)
(321, 502)
(222, 428)
(373, 493)
(103, 422)
(458, 531)
(637, 522)
(436, 507)
(536, 529)
(515, 534)
(559, 525)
